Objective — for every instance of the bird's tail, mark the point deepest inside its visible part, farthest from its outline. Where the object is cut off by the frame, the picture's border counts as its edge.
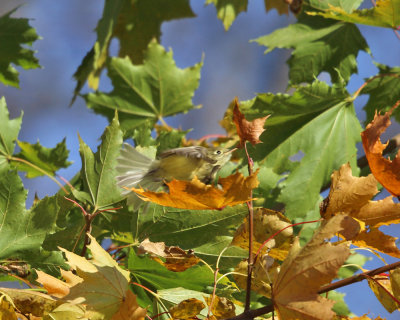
(133, 167)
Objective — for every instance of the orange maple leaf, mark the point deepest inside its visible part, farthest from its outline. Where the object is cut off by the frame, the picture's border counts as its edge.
(247, 130)
(195, 195)
(386, 171)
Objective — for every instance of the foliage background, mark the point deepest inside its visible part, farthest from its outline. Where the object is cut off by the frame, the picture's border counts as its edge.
(232, 67)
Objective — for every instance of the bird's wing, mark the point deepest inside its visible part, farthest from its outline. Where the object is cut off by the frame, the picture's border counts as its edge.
(196, 152)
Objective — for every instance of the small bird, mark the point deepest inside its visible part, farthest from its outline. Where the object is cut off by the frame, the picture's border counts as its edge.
(137, 170)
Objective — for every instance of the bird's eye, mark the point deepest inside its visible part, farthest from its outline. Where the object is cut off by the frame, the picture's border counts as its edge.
(218, 152)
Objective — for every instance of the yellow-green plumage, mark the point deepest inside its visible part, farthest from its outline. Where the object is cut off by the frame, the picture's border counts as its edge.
(136, 170)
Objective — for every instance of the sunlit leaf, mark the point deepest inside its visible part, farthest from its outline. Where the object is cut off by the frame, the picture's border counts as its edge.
(385, 13)
(319, 45)
(305, 271)
(195, 195)
(310, 133)
(98, 170)
(386, 171)
(9, 130)
(104, 287)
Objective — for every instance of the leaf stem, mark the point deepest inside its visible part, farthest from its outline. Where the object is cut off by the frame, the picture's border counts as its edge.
(40, 170)
(251, 232)
(357, 93)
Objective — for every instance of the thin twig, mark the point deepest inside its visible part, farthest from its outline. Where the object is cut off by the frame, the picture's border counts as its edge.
(356, 94)
(251, 230)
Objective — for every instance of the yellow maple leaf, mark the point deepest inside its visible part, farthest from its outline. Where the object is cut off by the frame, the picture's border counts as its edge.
(264, 274)
(266, 223)
(196, 195)
(306, 270)
(187, 309)
(104, 287)
(385, 13)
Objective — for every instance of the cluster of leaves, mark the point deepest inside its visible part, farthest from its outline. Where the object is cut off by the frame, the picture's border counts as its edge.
(172, 254)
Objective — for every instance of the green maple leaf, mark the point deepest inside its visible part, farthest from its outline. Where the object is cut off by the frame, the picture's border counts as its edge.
(385, 13)
(9, 130)
(319, 45)
(43, 159)
(318, 126)
(384, 92)
(98, 170)
(135, 23)
(14, 33)
(22, 232)
(207, 232)
(228, 10)
(154, 276)
(153, 90)
(348, 5)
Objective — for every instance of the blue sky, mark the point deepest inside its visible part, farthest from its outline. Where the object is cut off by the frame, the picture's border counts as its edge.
(232, 67)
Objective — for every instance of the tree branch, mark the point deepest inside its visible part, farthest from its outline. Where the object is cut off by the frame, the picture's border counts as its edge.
(251, 314)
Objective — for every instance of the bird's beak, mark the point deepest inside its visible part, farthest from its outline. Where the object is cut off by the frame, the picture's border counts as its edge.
(230, 151)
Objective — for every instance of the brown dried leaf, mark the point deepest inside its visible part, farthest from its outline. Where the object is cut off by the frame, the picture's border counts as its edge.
(195, 195)
(352, 195)
(187, 309)
(377, 240)
(386, 171)
(347, 193)
(266, 223)
(306, 270)
(247, 130)
(177, 259)
(222, 308)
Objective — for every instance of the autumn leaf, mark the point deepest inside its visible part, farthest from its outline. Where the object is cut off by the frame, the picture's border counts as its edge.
(56, 287)
(104, 287)
(386, 171)
(352, 195)
(264, 274)
(382, 288)
(30, 302)
(195, 195)
(306, 270)
(7, 309)
(176, 259)
(221, 308)
(187, 309)
(385, 13)
(247, 130)
(266, 223)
